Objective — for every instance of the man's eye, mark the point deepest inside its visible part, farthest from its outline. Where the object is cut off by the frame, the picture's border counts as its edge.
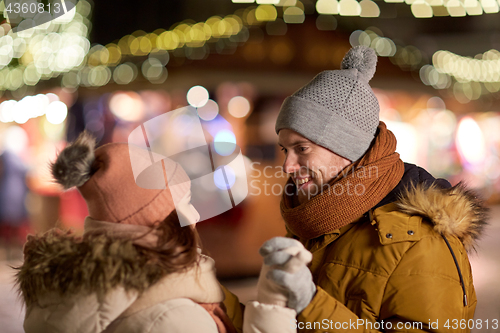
(302, 148)
(283, 150)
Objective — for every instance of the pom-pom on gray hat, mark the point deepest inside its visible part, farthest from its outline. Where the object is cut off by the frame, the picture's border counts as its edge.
(337, 109)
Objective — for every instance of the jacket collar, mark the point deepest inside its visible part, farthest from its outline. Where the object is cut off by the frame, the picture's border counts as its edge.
(199, 284)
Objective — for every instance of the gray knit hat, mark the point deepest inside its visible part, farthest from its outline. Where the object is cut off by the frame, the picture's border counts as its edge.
(337, 109)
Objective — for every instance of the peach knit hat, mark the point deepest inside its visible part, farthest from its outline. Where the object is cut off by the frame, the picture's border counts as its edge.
(105, 178)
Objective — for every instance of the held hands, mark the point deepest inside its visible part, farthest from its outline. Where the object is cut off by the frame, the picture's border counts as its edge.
(285, 279)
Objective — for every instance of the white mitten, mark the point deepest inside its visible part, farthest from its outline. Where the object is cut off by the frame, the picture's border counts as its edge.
(285, 279)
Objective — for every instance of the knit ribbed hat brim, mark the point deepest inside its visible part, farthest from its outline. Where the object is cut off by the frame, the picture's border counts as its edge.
(323, 127)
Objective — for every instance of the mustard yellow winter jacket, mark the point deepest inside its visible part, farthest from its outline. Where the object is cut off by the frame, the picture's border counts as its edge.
(394, 269)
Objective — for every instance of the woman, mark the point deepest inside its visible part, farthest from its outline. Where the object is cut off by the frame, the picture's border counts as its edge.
(135, 269)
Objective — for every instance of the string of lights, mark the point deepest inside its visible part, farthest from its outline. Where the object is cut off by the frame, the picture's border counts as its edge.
(46, 51)
(61, 47)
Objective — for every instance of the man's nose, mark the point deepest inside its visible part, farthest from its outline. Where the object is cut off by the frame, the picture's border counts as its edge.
(291, 165)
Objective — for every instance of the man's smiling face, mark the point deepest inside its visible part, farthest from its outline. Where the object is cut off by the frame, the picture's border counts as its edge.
(310, 165)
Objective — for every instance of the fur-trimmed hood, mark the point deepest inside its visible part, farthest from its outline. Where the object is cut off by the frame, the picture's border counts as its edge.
(61, 262)
(84, 284)
(454, 211)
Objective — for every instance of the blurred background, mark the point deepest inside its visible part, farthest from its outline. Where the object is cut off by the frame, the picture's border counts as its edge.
(109, 66)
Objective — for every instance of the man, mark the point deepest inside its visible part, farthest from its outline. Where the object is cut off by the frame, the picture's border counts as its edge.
(388, 240)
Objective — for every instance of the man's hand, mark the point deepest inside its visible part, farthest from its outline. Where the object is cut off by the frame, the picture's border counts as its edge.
(285, 279)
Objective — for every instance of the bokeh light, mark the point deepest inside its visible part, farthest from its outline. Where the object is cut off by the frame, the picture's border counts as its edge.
(127, 106)
(197, 96)
(28, 107)
(125, 73)
(421, 9)
(224, 177)
(327, 7)
(6, 111)
(208, 111)
(15, 139)
(225, 142)
(470, 141)
(154, 70)
(48, 50)
(56, 112)
(369, 9)
(266, 13)
(406, 135)
(238, 106)
(349, 8)
(294, 15)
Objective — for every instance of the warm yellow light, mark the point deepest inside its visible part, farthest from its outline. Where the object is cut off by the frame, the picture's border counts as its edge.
(125, 73)
(222, 27)
(123, 44)
(15, 78)
(266, 13)
(212, 23)
(168, 40)
(134, 46)
(421, 9)
(152, 39)
(114, 53)
(198, 35)
(99, 76)
(489, 6)
(473, 7)
(369, 9)
(144, 45)
(71, 80)
(31, 75)
(384, 47)
(249, 17)
(455, 8)
(294, 15)
(103, 55)
(287, 3)
(6, 50)
(349, 8)
(483, 68)
(328, 7)
(235, 22)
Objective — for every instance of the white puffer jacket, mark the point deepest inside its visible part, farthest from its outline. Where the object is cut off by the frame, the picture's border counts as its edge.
(99, 285)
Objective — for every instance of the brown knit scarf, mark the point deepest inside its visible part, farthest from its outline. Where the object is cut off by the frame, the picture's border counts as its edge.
(352, 193)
